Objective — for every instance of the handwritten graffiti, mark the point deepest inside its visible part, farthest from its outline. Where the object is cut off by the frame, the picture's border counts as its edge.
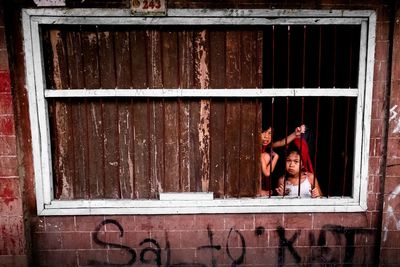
(324, 253)
(152, 252)
(390, 212)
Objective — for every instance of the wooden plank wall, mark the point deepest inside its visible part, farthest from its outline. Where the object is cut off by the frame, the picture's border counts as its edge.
(133, 148)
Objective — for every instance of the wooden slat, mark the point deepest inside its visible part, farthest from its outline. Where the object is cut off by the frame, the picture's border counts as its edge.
(171, 112)
(63, 129)
(217, 114)
(109, 115)
(185, 40)
(94, 115)
(233, 114)
(154, 76)
(125, 114)
(140, 119)
(249, 69)
(78, 113)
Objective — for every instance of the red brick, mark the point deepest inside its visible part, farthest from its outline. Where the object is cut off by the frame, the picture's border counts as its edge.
(321, 219)
(106, 237)
(365, 239)
(259, 256)
(145, 223)
(8, 166)
(382, 31)
(12, 241)
(123, 257)
(254, 240)
(60, 224)
(395, 91)
(382, 50)
(392, 239)
(374, 166)
(379, 91)
(8, 146)
(215, 222)
(173, 237)
(88, 223)
(269, 221)
(393, 148)
(52, 258)
(380, 71)
(7, 125)
(13, 260)
(46, 241)
(127, 222)
(5, 84)
(393, 167)
(371, 201)
(359, 220)
(390, 183)
(376, 128)
(204, 256)
(6, 105)
(378, 111)
(133, 239)
(37, 224)
(87, 257)
(239, 221)
(390, 257)
(10, 206)
(4, 60)
(179, 222)
(363, 255)
(183, 255)
(76, 240)
(297, 221)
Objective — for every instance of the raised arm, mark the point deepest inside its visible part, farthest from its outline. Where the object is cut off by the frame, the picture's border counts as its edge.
(297, 132)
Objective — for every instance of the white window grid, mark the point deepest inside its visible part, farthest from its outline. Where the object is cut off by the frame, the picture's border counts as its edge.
(38, 95)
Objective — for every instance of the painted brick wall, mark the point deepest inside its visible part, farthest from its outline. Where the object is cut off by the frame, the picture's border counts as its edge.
(12, 237)
(390, 250)
(215, 240)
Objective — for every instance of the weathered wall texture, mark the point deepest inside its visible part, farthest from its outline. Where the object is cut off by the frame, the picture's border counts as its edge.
(324, 239)
(12, 240)
(391, 214)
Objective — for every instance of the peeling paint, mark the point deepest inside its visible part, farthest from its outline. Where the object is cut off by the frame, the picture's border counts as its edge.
(49, 2)
(202, 72)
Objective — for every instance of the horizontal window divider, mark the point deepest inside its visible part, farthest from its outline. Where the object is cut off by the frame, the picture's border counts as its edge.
(239, 92)
(169, 20)
(172, 12)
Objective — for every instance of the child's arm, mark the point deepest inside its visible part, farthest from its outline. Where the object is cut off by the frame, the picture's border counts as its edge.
(279, 189)
(316, 190)
(266, 161)
(297, 132)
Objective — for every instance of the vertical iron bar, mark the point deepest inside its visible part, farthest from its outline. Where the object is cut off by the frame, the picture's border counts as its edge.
(334, 55)
(331, 146)
(345, 146)
(272, 138)
(273, 56)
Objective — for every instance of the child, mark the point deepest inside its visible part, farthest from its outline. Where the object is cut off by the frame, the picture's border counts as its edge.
(289, 183)
(268, 157)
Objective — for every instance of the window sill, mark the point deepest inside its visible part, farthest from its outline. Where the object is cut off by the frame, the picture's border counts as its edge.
(243, 205)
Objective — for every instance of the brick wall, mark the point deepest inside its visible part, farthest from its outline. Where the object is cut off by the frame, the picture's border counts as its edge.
(390, 249)
(211, 240)
(12, 241)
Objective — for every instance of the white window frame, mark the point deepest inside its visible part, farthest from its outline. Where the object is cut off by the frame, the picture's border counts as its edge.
(190, 204)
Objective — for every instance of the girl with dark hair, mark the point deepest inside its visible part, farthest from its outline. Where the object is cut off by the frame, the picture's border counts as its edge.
(298, 179)
(269, 158)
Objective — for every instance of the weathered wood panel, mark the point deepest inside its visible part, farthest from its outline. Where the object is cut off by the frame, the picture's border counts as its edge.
(217, 113)
(94, 115)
